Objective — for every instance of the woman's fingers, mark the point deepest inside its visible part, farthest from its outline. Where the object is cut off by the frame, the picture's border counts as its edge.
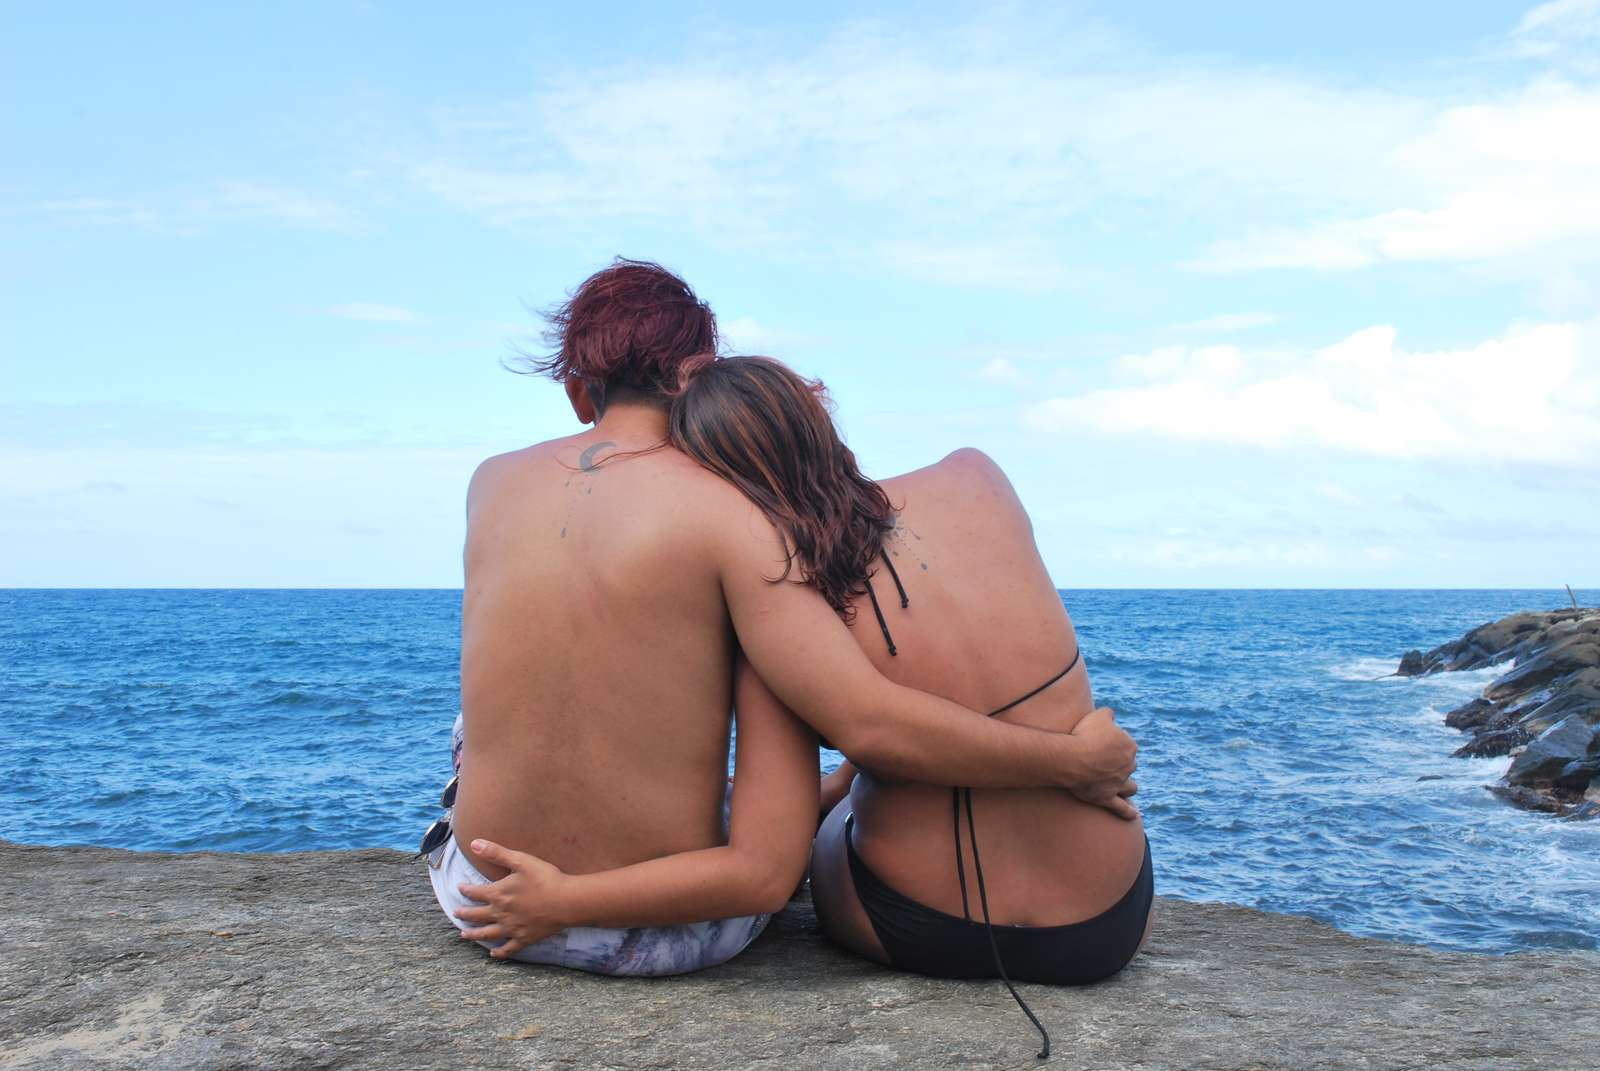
(495, 853)
(479, 893)
(1129, 788)
(510, 948)
(477, 914)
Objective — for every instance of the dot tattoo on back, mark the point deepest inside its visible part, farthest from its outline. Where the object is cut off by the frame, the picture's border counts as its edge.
(588, 465)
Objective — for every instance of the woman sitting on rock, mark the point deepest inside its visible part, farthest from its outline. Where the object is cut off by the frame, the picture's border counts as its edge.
(946, 592)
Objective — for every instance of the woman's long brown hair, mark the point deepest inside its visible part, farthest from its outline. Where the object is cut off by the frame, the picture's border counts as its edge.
(768, 431)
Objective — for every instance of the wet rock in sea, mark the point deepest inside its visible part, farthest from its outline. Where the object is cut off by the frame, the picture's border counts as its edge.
(1573, 739)
(1576, 694)
(1548, 664)
(1575, 776)
(1493, 643)
(1526, 798)
(1545, 710)
(1492, 744)
(1470, 715)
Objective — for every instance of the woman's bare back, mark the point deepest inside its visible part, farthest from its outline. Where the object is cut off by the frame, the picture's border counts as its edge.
(983, 626)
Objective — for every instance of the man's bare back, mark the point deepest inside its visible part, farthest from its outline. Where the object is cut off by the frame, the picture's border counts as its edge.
(597, 652)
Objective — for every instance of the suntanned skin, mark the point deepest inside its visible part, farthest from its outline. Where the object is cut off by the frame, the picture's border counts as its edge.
(985, 626)
(982, 611)
(606, 599)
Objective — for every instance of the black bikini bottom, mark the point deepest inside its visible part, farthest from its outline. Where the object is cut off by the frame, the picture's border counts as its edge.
(918, 938)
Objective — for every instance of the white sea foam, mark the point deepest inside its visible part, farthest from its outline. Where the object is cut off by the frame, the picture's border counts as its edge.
(1366, 669)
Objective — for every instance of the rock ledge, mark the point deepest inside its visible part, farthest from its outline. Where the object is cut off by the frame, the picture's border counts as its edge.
(342, 960)
(1545, 711)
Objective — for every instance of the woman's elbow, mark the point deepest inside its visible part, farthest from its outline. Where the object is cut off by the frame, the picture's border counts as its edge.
(771, 898)
(774, 883)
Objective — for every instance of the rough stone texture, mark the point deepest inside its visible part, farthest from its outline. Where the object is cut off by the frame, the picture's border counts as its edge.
(342, 960)
(1545, 710)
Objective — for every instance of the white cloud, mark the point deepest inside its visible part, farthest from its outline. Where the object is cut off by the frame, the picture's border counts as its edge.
(373, 313)
(1228, 323)
(1001, 371)
(746, 334)
(1490, 179)
(1335, 492)
(1188, 551)
(993, 135)
(1026, 266)
(1532, 395)
(986, 136)
(225, 202)
(239, 199)
(1567, 30)
(98, 212)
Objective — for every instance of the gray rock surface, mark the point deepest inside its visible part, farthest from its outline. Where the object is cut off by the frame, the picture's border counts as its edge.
(1566, 744)
(342, 960)
(1544, 710)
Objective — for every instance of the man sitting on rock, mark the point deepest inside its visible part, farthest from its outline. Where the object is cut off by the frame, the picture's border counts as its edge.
(618, 600)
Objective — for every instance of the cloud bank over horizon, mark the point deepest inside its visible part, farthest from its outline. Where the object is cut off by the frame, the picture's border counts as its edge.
(1180, 276)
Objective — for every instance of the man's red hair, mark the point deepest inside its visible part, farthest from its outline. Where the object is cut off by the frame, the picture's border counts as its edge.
(629, 326)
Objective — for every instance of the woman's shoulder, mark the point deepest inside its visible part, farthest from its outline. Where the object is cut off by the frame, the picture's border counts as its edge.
(966, 467)
(963, 478)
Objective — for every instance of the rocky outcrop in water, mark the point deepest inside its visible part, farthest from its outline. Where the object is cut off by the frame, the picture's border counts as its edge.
(212, 960)
(1544, 711)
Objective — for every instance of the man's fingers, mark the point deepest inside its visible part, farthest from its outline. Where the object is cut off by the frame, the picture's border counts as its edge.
(1129, 788)
(477, 914)
(484, 933)
(1122, 808)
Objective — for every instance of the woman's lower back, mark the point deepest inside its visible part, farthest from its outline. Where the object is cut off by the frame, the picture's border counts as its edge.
(1069, 893)
(1048, 859)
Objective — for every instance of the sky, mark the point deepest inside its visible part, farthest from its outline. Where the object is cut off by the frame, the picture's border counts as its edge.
(1239, 295)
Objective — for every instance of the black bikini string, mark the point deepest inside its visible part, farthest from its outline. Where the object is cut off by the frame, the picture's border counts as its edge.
(977, 863)
(1018, 702)
(878, 610)
(983, 901)
(955, 805)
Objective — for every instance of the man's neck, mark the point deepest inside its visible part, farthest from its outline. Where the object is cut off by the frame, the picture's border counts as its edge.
(633, 422)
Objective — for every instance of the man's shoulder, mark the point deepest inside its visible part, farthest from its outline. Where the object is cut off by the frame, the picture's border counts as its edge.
(515, 475)
(496, 470)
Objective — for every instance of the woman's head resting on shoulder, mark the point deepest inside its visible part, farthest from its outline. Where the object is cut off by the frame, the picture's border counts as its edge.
(769, 431)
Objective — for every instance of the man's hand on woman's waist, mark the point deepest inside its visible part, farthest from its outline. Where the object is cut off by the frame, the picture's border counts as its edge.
(1101, 761)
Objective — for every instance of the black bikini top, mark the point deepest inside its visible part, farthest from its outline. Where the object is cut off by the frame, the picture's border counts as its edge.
(960, 795)
(905, 602)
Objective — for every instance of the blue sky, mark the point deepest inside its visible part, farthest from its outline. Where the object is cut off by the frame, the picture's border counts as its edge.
(1257, 296)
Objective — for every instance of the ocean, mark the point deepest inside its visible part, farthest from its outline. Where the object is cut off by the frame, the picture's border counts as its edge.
(1276, 769)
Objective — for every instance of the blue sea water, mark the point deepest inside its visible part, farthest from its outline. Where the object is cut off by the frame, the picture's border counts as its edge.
(1276, 771)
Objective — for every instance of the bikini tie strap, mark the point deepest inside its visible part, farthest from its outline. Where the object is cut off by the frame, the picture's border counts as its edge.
(1018, 702)
(882, 624)
(994, 946)
(904, 600)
